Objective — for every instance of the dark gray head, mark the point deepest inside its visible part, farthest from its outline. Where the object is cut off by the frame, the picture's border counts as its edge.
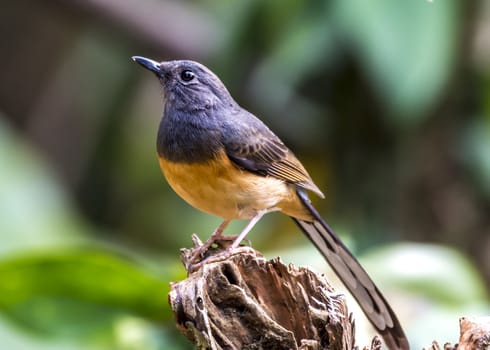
(188, 85)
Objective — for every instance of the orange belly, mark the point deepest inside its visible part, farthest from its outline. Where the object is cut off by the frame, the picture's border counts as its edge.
(220, 188)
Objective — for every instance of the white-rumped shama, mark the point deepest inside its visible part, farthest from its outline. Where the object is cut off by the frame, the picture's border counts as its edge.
(223, 160)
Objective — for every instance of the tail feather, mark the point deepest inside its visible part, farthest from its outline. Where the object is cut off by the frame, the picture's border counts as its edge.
(353, 275)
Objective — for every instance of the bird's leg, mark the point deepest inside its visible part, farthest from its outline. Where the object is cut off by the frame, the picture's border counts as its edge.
(217, 234)
(247, 229)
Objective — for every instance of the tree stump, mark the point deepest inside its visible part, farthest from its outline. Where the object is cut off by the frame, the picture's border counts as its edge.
(246, 302)
(475, 333)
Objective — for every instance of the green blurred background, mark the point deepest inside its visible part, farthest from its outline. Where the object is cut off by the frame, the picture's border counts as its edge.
(387, 103)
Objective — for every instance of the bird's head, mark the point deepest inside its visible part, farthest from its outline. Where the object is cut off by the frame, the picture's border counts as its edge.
(187, 84)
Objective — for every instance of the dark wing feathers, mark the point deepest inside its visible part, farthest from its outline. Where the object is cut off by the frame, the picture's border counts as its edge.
(253, 147)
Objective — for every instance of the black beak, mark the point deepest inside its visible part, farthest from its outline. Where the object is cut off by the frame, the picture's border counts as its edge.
(148, 64)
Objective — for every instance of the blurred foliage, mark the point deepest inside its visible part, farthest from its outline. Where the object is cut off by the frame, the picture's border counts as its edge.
(386, 102)
(402, 44)
(90, 277)
(33, 209)
(59, 282)
(431, 270)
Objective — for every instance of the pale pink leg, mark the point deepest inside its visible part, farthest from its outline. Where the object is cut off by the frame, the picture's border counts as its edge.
(247, 229)
(217, 234)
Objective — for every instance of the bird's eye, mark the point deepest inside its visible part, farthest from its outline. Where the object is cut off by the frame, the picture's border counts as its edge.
(187, 75)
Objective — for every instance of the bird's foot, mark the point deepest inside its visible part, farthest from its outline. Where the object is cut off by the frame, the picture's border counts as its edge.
(215, 241)
(217, 248)
(218, 256)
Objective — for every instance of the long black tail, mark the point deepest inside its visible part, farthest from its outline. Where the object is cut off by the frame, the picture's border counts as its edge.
(354, 277)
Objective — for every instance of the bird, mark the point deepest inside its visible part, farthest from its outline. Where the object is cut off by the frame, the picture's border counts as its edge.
(223, 160)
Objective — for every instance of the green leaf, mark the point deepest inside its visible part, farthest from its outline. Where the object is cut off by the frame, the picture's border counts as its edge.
(64, 293)
(407, 48)
(303, 48)
(34, 210)
(439, 273)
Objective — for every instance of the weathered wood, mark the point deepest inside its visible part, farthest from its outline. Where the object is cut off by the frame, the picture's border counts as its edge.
(246, 302)
(474, 333)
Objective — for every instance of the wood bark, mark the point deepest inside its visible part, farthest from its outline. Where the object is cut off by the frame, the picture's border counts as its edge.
(244, 301)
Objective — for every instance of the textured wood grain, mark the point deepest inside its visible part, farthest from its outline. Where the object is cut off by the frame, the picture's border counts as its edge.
(475, 333)
(246, 302)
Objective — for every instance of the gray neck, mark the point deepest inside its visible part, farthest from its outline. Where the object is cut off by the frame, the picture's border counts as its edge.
(188, 137)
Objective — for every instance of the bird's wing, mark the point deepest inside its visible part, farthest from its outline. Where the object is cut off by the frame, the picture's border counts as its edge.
(255, 148)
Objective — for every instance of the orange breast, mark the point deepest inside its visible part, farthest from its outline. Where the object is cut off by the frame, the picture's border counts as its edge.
(220, 188)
